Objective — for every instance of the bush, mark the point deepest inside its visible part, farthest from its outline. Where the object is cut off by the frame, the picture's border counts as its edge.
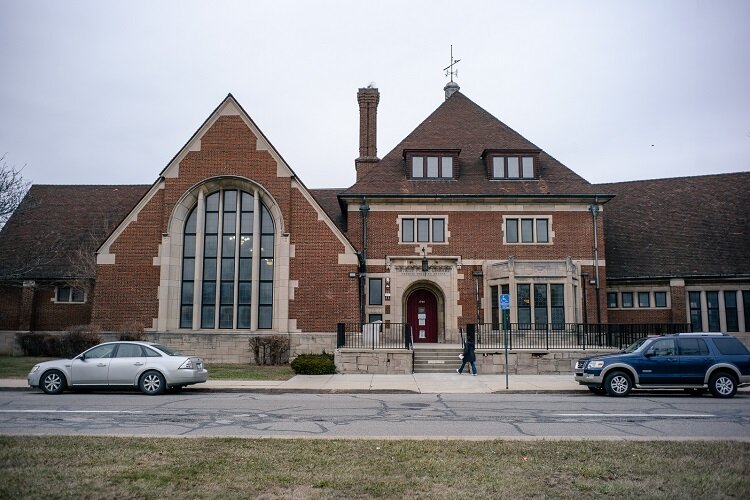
(270, 350)
(76, 340)
(314, 364)
(132, 331)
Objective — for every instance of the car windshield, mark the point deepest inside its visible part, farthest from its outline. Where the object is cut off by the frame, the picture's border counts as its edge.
(635, 345)
(166, 350)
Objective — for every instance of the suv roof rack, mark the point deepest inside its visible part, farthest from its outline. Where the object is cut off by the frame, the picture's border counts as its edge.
(702, 333)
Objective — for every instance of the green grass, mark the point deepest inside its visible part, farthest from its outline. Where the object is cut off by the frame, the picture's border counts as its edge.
(116, 467)
(19, 367)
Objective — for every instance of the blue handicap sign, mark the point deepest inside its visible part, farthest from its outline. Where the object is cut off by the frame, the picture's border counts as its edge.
(505, 301)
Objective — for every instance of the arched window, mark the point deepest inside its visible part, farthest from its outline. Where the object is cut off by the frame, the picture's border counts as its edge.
(223, 285)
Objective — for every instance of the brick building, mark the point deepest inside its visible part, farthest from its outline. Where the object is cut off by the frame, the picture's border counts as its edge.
(229, 243)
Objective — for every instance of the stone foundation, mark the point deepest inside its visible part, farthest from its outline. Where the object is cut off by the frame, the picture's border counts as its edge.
(374, 362)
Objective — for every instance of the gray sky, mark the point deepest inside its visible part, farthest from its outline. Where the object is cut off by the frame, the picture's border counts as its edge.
(99, 92)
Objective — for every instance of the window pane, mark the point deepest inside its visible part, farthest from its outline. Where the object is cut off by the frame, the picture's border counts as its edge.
(527, 230)
(225, 316)
(513, 167)
(227, 292)
(190, 224)
(372, 318)
(540, 305)
(524, 304)
(627, 299)
(266, 269)
(227, 269)
(416, 167)
(129, 351)
(423, 229)
(212, 223)
(246, 245)
(187, 293)
(212, 202)
(712, 299)
(207, 316)
(189, 246)
(696, 320)
(730, 305)
(209, 293)
(432, 166)
(376, 291)
(246, 222)
(229, 221)
(186, 317)
(244, 293)
(660, 299)
(248, 203)
(266, 293)
(266, 246)
(447, 167)
(528, 167)
(246, 269)
(644, 300)
(209, 248)
(498, 167)
(209, 269)
(511, 230)
(542, 235)
(438, 230)
(243, 317)
(63, 294)
(612, 300)
(407, 230)
(265, 316)
(227, 246)
(76, 295)
(230, 201)
(266, 221)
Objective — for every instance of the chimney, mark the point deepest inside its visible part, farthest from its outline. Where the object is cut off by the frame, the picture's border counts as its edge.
(368, 113)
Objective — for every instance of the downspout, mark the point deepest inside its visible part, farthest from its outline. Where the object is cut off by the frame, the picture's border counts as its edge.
(364, 209)
(594, 208)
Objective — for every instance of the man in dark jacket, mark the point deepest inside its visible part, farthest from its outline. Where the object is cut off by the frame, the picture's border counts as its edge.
(468, 357)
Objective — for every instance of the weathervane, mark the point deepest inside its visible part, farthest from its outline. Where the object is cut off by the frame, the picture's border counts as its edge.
(449, 69)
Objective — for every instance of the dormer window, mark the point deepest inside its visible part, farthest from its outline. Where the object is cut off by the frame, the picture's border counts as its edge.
(431, 164)
(511, 165)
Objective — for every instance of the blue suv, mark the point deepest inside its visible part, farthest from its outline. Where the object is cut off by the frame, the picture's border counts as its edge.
(695, 362)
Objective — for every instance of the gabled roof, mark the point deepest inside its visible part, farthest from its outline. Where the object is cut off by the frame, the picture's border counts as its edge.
(459, 123)
(679, 227)
(52, 222)
(329, 202)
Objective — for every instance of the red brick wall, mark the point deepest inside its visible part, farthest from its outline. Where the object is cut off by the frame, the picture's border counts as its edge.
(51, 316)
(10, 304)
(127, 290)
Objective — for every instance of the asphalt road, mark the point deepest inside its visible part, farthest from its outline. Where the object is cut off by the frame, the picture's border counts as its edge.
(475, 416)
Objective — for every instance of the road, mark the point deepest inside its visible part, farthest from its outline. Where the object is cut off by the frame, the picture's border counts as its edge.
(473, 416)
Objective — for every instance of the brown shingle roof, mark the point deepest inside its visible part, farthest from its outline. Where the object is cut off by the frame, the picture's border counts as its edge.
(459, 123)
(53, 221)
(679, 227)
(328, 200)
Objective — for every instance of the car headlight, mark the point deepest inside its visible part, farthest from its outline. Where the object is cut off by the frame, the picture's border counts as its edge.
(187, 365)
(35, 369)
(595, 364)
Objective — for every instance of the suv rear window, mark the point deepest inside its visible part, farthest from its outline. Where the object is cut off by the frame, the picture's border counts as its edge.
(730, 345)
(692, 347)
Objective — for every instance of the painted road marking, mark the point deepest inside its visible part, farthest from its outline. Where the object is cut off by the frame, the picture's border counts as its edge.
(69, 411)
(668, 415)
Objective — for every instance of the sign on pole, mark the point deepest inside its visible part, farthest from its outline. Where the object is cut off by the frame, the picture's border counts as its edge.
(504, 310)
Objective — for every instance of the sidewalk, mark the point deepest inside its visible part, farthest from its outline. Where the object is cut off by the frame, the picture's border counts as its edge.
(417, 383)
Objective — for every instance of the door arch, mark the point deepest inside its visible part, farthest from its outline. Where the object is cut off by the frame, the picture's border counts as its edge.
(422, 315)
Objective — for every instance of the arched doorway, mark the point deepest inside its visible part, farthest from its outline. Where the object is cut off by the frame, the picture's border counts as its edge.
(422, 315)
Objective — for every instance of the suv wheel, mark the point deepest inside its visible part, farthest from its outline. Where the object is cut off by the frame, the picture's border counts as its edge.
(722, 385)
(618, 384)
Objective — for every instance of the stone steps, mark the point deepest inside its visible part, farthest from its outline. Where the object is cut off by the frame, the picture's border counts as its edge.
(441, 360)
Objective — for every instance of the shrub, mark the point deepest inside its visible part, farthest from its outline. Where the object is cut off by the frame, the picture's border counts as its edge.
(314, 364)
(32, 344)
(270, 350)
(76, 340)
(132, 331)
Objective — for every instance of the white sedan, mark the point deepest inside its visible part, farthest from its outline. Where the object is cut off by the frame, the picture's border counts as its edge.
(151, 367)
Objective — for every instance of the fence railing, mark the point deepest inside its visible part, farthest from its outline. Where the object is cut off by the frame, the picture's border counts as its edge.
(569, 335)
(374, 335)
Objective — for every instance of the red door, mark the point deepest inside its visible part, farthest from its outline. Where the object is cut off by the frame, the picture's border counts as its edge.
(421, 313)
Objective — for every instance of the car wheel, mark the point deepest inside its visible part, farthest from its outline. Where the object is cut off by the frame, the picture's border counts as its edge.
(152, 383)
(53, 382)
(695, 392)
(618, 384)
(722, 385)
(597, 390)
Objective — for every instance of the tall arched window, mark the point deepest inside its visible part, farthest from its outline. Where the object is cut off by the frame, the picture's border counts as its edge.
(223, 286)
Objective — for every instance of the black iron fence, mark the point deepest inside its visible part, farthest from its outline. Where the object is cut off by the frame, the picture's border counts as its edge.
(568, 335)
(374, 335)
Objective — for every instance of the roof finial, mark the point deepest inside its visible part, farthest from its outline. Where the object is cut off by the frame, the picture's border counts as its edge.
(451, 87)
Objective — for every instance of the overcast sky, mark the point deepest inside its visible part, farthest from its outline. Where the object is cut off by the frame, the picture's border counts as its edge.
(98, 92)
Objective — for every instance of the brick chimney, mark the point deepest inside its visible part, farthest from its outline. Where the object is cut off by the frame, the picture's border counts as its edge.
(368, 124)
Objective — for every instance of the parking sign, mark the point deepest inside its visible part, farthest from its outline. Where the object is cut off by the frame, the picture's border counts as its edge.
(505, 301)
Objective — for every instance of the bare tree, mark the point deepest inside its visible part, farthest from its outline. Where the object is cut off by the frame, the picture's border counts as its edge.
(13, 187)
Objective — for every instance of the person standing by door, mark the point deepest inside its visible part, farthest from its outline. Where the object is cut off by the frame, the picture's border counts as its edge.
(468, 357)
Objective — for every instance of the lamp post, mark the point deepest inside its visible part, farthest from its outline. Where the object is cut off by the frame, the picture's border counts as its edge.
(425, 263)
(594, 209)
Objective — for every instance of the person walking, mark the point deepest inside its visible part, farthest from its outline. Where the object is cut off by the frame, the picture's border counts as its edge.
(468, 357)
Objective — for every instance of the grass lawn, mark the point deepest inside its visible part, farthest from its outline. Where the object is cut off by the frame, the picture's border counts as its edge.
(19, 366)
(116, 467)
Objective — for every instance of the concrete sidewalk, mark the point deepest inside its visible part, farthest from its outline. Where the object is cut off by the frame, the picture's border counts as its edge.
(419, 383)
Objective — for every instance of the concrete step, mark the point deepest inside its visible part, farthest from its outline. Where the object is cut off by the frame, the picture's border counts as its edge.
(436, 360)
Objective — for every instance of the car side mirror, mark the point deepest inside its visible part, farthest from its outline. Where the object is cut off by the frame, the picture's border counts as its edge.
(648, 354)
